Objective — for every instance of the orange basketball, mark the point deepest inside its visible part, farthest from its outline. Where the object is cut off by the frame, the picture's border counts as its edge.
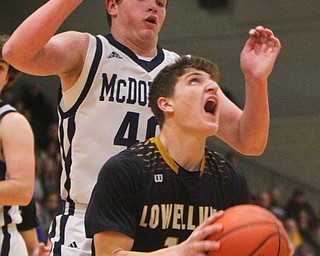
(251, 230)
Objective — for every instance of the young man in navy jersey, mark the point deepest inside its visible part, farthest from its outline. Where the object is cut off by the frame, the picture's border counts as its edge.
(105, 81)
(162, 195)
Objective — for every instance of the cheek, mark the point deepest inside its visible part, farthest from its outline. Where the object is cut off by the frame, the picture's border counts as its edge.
(3, 78)
(162, 16)
(187, 104)
(128, 18)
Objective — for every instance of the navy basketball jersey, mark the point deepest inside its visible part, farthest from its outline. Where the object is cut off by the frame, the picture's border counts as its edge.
(144, 194)
(105, 112)
(8, 214)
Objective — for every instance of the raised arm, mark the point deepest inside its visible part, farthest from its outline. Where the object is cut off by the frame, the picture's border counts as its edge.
(34, 49)
(118, 244)
(17, 144)
(247, 131)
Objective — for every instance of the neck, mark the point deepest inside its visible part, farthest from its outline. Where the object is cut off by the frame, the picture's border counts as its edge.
(185, 149)
(144, 47)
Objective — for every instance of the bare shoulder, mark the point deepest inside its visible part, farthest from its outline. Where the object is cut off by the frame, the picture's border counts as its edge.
(15, 124)
(68, 49)
(72, 49)
(72, 40)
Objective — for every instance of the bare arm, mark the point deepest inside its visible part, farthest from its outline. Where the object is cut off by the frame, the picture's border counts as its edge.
(17, 145)
(35, 50)
(118, 244)
(247, 131)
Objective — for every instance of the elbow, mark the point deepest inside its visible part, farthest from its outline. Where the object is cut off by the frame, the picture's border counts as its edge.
(254, 149)
(260, 150)
(7, 53)
(10, 54)
(26, 196)
(25, 200)
(254, 145)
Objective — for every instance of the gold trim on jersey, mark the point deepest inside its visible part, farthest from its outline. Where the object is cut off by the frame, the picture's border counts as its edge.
(167, 158)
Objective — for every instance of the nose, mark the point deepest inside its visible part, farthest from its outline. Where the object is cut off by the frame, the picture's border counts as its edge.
(152, 6)
(212, 87)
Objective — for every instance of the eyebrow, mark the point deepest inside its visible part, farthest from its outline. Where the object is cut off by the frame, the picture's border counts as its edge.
(197, 73)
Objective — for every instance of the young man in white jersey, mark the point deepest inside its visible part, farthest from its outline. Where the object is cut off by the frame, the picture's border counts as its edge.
(104, 83)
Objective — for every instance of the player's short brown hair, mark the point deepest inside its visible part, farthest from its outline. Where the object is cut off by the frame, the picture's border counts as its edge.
(12, 72)
(164, 83)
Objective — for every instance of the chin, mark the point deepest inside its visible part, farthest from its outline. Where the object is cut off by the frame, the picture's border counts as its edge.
(210, 131)
(149, 34)
(213, 130)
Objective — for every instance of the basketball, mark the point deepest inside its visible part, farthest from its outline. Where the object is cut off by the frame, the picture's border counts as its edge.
(251, 230)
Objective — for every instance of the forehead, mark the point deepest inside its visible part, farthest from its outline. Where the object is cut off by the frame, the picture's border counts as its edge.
(189, 75)
(165, 2)
(194, 72)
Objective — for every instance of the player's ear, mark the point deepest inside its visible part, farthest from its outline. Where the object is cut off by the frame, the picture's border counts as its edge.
(165, 104)
(111, 7)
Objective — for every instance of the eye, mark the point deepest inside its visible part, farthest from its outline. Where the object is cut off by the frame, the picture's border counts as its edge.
(194, 81)
(161, 3)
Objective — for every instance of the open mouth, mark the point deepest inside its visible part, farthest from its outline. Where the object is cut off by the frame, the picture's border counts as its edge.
(151, 20)
(210, 106)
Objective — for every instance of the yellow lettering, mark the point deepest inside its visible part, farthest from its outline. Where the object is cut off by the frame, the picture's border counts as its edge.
(203, 213)
(190, 226)
(154, 218)
(178, 215)
(166, 211)
(143, 217)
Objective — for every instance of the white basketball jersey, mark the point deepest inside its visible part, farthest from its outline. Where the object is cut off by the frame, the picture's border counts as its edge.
(104, 112)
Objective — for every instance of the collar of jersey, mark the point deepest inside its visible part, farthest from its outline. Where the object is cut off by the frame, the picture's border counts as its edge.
(146, 65)
(173, 165)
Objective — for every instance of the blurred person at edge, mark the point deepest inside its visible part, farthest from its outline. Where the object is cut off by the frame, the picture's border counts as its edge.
(17, 172)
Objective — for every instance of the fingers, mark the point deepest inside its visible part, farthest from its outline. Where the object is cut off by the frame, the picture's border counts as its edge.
(213, 218)
(204, 247)
(208, 227)
(264, 36)
(43, 250)
(203, 232)
(199, 241)
(291, 251)
(260, 32)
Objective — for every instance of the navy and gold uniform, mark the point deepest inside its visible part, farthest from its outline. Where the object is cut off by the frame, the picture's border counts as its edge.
(144, 194)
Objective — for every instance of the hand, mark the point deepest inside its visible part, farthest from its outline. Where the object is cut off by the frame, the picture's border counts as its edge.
(42, 250)
(291, 250)
(259, 53)
(197, 243)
